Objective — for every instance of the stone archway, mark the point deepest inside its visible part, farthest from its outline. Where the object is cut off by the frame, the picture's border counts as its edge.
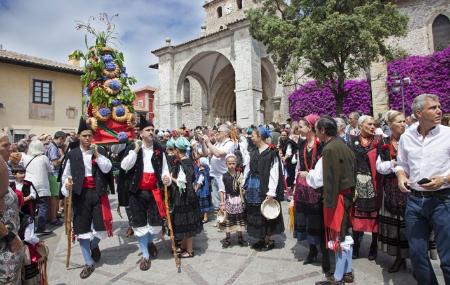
(269, 108)
(212, 86)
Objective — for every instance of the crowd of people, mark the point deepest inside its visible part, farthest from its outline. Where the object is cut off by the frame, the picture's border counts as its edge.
(343, 177)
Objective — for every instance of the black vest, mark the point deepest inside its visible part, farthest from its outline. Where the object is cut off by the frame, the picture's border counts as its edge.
(134, 174)
(77, 170)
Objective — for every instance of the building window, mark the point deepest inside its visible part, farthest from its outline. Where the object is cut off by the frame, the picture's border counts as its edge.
(42, 92)
(219, 12)
(140, 103)
(441, 32)
(186, 91)
(239, 4)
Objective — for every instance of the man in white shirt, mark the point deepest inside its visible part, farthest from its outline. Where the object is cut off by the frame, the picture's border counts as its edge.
(423, 168)
(224, 145)
(353, 129)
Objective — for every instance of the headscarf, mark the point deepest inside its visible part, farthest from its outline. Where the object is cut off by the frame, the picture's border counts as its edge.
(170, 143)
(203, 161)
(182, 143)
(264, 132)
(312, 119)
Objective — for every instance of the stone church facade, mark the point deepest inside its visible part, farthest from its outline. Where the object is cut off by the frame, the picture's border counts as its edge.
(225, 74)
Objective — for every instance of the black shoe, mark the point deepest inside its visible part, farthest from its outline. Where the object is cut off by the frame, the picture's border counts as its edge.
(57, 223)
(242, 242)
(398, 263)
(268, 246)
(349, 277)
(258, 245)
(355, 254)
(373, 252)
(312, 255)
(225, 243)
(87, 271)
(96, 254)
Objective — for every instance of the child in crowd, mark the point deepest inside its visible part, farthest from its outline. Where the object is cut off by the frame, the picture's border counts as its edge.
(201, 187)
(232, 202)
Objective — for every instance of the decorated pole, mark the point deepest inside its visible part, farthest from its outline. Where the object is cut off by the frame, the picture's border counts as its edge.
(107, 96)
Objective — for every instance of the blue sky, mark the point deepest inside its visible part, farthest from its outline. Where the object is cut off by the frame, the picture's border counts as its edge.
(46, 28)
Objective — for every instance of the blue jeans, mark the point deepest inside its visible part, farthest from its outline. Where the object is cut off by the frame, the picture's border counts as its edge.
(42, 213)
(423, 215)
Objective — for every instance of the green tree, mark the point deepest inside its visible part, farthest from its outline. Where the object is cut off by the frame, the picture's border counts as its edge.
(330, 40)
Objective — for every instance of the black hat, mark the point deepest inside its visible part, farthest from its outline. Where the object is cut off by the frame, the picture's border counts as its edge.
(83, 126)
(143, 123)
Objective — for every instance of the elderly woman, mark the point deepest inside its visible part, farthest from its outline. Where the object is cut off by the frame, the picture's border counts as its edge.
(37, 167)
(364, 215)
(341, 125)
(262, 177)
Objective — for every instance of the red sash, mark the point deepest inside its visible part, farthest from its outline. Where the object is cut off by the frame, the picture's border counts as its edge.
(89, 182)
(332, 218)
(149, 182)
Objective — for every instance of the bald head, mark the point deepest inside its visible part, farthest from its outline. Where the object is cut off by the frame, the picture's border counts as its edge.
(5, 146)
(4, 180)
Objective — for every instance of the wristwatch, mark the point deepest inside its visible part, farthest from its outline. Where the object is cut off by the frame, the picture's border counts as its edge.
(8, 237)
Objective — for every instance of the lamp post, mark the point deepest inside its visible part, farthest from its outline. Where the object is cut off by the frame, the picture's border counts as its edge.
(399, 84)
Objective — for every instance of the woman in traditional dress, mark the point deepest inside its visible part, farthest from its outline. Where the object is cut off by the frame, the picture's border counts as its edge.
(364, 214)
(262, 178)
(231, 201)
(392, 237)
(308, 216)
(288, 152)
(186, 215)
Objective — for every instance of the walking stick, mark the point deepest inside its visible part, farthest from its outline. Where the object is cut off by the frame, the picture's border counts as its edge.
(68, 223)
(169, 224)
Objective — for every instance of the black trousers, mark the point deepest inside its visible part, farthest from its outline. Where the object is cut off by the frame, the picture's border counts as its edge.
(87, 210)
(144, 210)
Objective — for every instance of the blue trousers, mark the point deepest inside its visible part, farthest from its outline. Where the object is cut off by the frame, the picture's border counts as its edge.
(41, 220)
(423, 215)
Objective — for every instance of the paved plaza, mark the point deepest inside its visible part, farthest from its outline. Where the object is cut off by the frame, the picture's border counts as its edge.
(211, 264)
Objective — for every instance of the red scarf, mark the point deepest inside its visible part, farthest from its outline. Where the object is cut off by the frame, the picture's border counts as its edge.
(332, 218)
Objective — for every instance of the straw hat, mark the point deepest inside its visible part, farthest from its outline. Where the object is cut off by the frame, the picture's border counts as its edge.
(221, 216)
(270, 209)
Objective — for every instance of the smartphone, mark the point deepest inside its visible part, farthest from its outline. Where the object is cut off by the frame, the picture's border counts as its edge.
(423, 181)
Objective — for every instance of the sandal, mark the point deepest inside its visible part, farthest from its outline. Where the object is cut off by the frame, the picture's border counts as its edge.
(180, 250)
(225, 242)
(186, 254)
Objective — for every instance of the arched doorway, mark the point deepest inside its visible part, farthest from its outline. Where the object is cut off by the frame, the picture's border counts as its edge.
(441, 32)
(269, 80)
(212, 90)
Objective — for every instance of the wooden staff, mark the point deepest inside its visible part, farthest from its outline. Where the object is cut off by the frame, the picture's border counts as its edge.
(68, 222)
(169, 224)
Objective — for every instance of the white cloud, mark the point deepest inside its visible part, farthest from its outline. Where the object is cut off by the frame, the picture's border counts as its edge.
(46, 28)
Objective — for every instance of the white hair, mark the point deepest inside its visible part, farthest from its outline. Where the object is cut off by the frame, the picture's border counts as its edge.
(36, 147)
(419, 101)
(340, 123)
(363, 118)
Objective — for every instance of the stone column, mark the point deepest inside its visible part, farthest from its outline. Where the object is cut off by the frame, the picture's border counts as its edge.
(166, 94)
(248, 80)
(380, 98)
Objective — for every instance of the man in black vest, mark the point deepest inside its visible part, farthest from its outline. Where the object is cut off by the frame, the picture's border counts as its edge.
(87, 174)
(146, 171)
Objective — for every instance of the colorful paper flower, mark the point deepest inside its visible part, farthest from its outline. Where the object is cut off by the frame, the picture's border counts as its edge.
(116, 102)
(114, 85)
(107, 58)
(122, 137)
(110, 66)
(120, 111)
(104, 111)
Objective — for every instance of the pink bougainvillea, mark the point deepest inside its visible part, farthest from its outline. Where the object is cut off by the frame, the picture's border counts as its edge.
(428, 74)
(311, 98)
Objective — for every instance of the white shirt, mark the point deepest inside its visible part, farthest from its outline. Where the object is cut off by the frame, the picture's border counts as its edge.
(273, 179)
(218, 164)
(421, 157)
(19, 186)
(103, 163)
(315, 176)
(37, 172)
(130, 160)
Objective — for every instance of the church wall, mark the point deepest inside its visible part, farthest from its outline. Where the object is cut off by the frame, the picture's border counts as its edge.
(192, 112)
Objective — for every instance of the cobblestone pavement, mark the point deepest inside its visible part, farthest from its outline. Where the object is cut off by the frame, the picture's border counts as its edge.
(211, 264)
